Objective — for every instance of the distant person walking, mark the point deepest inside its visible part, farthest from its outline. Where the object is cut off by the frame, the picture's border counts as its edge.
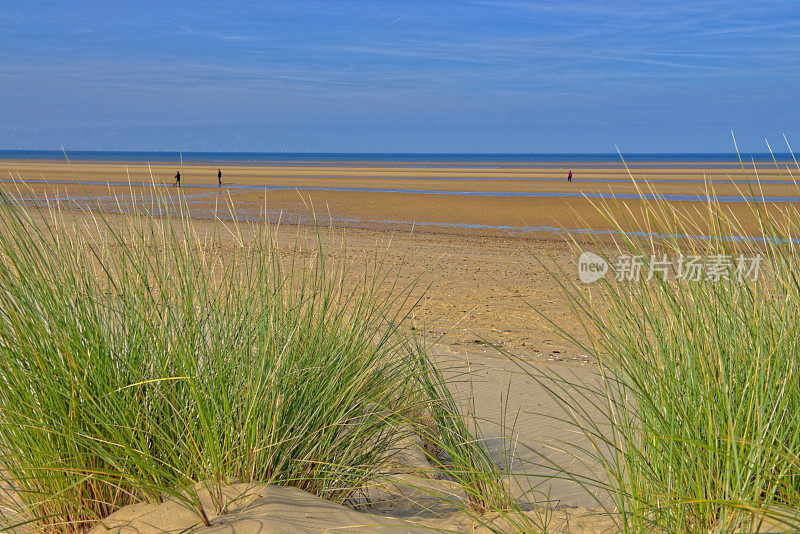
(569, 176)
(178, 178)
(219, 177)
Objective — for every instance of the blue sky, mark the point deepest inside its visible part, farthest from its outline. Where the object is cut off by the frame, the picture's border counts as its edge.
(402, 76)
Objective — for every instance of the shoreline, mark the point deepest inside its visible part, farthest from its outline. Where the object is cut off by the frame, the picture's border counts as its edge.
(400, 159)
(529, 204)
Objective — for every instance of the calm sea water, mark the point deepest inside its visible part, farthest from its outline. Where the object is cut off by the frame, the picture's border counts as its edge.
(480, 160)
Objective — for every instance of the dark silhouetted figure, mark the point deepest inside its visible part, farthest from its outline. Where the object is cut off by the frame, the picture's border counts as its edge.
(219, 177)
(569, 176)
(178, 178)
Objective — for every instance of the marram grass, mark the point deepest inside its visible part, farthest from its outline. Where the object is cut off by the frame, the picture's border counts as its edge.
(140, 361)
(700, 389)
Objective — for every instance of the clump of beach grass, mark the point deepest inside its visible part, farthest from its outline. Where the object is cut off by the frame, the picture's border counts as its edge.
(142, 361)
(456, 450)
(699, 398)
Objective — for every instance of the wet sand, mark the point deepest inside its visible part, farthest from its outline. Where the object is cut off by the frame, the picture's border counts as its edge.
(448, 211)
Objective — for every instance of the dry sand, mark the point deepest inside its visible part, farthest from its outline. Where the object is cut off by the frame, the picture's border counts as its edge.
(264, 509)
(477, 286)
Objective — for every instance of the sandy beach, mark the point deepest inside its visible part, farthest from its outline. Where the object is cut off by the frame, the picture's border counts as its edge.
(479, 264)
(476, 255)
(318, 267)
(522, 201)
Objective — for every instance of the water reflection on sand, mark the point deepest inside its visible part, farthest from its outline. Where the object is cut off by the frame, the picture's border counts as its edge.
(672, 197)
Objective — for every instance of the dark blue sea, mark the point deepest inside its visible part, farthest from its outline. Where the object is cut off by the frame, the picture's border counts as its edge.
(417, 159)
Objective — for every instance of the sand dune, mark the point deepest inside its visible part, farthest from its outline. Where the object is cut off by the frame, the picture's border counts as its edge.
(264, 509)
(474, 257)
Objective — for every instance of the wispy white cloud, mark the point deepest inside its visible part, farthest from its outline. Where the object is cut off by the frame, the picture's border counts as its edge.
(409, 59)
(768, 28)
